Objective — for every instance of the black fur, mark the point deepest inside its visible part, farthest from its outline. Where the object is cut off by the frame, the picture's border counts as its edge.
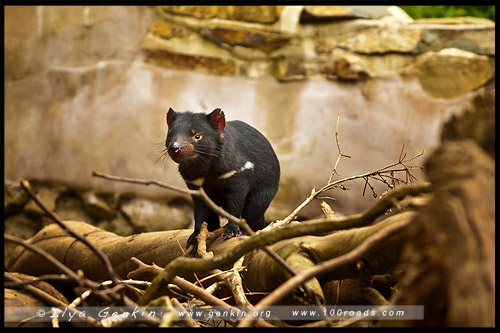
(238, 166)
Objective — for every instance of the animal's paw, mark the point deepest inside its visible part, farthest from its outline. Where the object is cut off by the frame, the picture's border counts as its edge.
(230, 233)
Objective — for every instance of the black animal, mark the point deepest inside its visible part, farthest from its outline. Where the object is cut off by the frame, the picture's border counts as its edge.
(233, 162)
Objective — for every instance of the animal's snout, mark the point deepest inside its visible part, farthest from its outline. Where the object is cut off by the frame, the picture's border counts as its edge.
(176, 147)
(180, 151)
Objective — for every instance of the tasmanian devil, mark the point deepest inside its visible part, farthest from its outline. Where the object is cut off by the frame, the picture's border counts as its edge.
(232, 161)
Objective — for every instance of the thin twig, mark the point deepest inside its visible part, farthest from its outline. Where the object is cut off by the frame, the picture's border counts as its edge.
(42, 278)
(145, 182)
(334, 171)
(83, 296)
(334, 184)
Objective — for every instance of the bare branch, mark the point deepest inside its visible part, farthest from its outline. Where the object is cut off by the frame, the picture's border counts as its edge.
(47, 277)
(387, 171)
(334, 171)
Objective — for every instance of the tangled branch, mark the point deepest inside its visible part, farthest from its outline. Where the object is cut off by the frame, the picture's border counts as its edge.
(386, 175)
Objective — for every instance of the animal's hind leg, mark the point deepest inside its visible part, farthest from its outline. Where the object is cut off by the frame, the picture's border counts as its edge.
(255, 207)
(213, 221)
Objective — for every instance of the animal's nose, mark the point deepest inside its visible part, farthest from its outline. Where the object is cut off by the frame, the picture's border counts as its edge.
(176, 146)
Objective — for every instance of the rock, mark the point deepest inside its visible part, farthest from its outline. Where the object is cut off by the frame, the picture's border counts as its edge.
(165, 46)
(289, 71)
(311, 13)
(183, 209)
(47, 196)
(21, 226)
(347, 65)
(97, 206)
(167, 30)
(148, 215)
(14, 198)
(436, 37)
(208, 65)
(258, 14)
(346, 68)
(450, 73)
(320, 14)
(118, 225)
(70, 206)
(264, 41)
(462, 20)
(397, 16)
(381, 40)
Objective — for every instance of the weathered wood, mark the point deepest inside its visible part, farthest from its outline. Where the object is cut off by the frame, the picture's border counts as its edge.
(449, 260)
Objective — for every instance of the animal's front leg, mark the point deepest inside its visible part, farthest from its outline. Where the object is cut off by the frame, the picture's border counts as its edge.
(202, 213)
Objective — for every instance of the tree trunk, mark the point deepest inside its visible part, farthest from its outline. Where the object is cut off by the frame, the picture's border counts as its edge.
(449, 259)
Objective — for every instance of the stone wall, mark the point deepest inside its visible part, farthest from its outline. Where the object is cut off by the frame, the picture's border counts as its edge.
(87, 88)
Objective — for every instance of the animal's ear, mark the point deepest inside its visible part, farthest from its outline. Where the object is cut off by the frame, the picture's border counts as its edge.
(217, 118)
(170, 116)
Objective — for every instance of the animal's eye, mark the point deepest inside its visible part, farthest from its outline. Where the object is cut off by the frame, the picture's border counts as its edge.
(197, 137)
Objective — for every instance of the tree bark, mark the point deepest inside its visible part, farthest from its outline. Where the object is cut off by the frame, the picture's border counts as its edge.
(449, 259)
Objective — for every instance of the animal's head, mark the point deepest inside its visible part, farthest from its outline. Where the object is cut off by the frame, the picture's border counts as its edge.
(194, 136)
